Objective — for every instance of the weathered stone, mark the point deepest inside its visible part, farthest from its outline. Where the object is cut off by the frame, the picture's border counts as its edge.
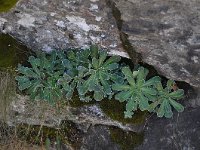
(41, 113)
(166, 33)
(98, 138)
(46, 24)
(180, 132)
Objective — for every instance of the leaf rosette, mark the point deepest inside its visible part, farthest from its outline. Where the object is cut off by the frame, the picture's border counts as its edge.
(40, 80)
(167, 98)
(102, 71)
(136, 91)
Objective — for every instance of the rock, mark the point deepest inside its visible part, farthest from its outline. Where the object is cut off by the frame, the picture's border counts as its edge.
(98, 138)
(180, 132)
(21, 111)
(47, 25)
(166, 33)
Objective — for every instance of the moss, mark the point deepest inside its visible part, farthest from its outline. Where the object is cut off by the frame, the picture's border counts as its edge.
(75, 102)
(126, 140)
(12, 52)
(67, 133)
(6, 5)
(114, 109)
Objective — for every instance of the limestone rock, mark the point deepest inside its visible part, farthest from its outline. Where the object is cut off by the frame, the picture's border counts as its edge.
(180, 132)
(21, 111)
(166, 33)
(46, 24)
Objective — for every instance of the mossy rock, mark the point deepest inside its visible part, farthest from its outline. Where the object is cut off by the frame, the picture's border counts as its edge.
(12, 52)
(126, 140)
(76, 102)
(67, 133)
(6, 5)
(114, 109)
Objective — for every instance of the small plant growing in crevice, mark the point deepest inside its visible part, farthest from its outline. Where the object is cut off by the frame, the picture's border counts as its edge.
(95, 75)
(166, 98)
(136, 91)
(40, 81)
(101, 73)
(147, 94)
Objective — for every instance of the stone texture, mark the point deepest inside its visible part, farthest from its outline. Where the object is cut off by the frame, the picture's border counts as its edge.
(47, 24)
(21, 111)
(166, 33)
(180, 133)
(98, 138)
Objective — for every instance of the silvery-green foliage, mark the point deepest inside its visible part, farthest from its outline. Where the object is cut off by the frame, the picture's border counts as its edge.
(40, 79)
(76, 69)
(166, 99)
(101, 72)
(136, 91)
(95, 75)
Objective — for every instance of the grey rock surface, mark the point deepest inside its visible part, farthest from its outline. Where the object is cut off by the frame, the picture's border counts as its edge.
(166, 33)
(182, 132)
(47, 25)
(21, 111)
(98, 138)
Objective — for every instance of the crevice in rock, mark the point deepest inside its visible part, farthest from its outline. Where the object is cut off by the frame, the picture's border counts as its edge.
(136, 58)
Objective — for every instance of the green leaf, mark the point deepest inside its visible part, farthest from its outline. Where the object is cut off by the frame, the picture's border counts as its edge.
(98, 96)
(94, 51)
(177, 94)
(120, 87)
(71, 55)
(142, 74)
(106, 86)
(24, 85)
(113, 59)
(105, 76)
(149, 91)
(176, 105)
(35, 85)
(161, 110)
(170, 83)
(27, 72)
(128, 74)
(112, 66)
(152, 81)
(168, 110)
(95, 63)
(143, 104)
(131, 105)
(123, 96)
(67, 64)
(102, 58)
(128, 114)
(153, 105)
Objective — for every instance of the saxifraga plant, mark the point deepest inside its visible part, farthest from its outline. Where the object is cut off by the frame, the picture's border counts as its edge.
(102, 72)
(147, 94)
(136, 91)
(166, 99)
(40, 80)
(92, 72)
(95, 75)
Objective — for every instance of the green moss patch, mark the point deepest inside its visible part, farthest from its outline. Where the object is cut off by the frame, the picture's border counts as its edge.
(126, 140)
(76, 102)
(115, 110)
(6, 5)
(67, 133)
(11, 51)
